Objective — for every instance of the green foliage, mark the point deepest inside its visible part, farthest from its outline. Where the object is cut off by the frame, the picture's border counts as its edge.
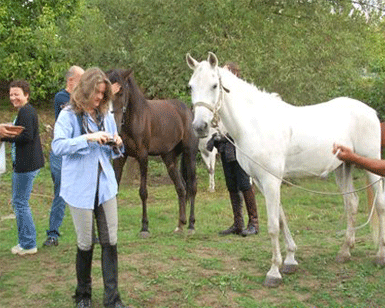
(370, 87)
(296, 48)
(88, 41)
(307, 51)
(39, 40)
(29, 43)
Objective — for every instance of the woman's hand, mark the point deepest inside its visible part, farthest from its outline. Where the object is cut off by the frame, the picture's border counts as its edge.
(118, 140)
(100, 137)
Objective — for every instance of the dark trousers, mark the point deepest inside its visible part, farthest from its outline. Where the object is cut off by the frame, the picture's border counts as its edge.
(236, 178)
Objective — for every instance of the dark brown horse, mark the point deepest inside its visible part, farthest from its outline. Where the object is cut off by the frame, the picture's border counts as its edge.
(156, 128)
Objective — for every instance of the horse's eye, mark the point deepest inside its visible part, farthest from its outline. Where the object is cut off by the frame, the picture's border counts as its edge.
(215, 86)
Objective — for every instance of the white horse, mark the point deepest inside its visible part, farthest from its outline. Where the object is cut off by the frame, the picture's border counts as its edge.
(209, 158)
(275, 140)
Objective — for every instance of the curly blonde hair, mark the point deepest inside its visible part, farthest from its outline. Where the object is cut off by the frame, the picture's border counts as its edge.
(86, 87)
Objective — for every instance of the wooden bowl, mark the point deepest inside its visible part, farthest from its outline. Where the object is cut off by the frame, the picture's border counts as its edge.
(15, 128)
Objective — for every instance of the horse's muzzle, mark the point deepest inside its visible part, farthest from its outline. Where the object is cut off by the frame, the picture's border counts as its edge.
(201, 130)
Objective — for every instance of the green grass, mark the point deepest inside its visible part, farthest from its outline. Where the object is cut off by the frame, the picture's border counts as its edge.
(202, 270)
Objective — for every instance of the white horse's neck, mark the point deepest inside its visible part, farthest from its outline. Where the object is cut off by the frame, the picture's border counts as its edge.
(245, 103)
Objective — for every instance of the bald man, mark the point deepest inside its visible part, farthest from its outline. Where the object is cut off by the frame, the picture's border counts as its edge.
(58, 205)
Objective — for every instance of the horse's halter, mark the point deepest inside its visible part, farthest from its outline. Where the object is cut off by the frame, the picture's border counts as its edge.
(217, 106)
(123, 108)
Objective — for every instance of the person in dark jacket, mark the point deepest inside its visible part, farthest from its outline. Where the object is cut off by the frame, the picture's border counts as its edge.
(27, 158)
(237, 180)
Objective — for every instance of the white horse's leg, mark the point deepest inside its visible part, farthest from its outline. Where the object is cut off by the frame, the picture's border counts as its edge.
(344, 180)
(290, 265)
(380, 207)
(209, 161)
(272, 197)
(211, 180)
(211, 167)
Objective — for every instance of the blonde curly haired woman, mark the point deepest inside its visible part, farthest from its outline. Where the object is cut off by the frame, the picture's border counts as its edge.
(83, 133)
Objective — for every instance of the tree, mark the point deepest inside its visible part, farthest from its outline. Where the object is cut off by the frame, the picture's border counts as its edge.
(298, 49)
(29, 44)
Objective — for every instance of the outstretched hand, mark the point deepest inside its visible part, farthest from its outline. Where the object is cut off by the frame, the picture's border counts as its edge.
(343, 153)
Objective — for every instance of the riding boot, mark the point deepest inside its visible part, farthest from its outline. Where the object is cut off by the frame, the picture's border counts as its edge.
(251, 206)
(83, 275)
(110, 276)
(236, 203)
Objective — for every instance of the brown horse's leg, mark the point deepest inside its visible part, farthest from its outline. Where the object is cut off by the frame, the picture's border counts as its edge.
(118, 165)
(188, 167)
(143, 165)
(170, 160)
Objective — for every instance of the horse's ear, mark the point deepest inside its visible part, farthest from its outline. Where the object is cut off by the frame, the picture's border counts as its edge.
(212, 59)
(127, 73)
(191, 62)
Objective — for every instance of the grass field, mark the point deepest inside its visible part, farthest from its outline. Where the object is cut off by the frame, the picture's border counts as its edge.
(202, 270)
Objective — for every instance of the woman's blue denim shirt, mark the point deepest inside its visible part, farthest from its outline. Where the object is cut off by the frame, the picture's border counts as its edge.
(81, 159)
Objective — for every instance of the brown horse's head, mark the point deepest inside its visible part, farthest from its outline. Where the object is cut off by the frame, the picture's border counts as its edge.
(119, 102)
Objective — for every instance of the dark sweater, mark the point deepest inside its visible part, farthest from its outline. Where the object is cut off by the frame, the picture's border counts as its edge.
(29, 153)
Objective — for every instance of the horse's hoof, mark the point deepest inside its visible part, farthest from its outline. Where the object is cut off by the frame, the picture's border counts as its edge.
(178, 230)
(144, 234)
(342, 258)
(272, 282)
(289, 268)
(191, 232)
(379, 261)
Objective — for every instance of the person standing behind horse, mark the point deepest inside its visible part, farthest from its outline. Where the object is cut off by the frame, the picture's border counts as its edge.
(58, 205)
(28, 159)
(88, 181)
(237, 180)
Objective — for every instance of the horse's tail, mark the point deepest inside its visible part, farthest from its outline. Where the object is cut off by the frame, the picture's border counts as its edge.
(374, 222)
(183, 169)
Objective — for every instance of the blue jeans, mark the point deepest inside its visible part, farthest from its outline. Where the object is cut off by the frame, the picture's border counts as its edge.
(21, 191)
(58, 204)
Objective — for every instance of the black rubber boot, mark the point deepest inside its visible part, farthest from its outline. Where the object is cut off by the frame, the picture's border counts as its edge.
(110, 277)
(251, 206)
(83, 274)
(236, 204)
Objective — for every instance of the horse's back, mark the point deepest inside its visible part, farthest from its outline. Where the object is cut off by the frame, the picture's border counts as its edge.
(166, 106)
(171, 118)
(339, 118)
(314, 130)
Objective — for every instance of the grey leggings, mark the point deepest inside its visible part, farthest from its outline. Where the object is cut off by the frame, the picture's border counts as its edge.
(106, 216)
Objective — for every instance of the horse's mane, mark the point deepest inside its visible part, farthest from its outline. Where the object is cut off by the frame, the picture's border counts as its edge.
(250, 93)
(134, 87)
(125, 77)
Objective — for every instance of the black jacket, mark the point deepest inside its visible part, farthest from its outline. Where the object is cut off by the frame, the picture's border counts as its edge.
(29, 153)
(224, 146)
